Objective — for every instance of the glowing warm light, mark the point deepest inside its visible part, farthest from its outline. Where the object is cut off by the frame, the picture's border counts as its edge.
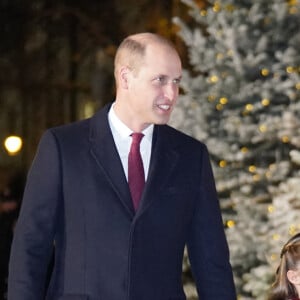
(268, 174)
(217, 6)
(223, 100)
(252, 168)
(230, 223)
(249, 107)
(293, 10)
(230, 7)
(203, 12)
(263, 128)
(214, 79)
(13, 144)
(276, 237)
(88, 110)
(219, 106)
(289, 69)
(265, 102)
(271, 208)
(222, 163)
(244, 149)
(256, 177)
(211, 98)
(274, 257)
(220, 56)
(298, 86)
(265, 72)
(293, 229)
(293, 2)
(285, 139)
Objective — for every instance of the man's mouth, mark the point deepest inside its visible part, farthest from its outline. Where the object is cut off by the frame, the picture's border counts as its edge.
(164, 107)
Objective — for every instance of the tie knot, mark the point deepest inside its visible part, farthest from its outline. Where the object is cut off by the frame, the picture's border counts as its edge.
(137, 137)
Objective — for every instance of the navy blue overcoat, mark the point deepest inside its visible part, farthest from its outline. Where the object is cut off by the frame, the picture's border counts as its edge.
(77, 199)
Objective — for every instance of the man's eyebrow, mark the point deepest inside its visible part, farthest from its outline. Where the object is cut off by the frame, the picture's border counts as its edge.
(177, 78)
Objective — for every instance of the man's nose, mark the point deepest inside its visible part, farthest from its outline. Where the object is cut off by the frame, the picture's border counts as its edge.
(171, 91)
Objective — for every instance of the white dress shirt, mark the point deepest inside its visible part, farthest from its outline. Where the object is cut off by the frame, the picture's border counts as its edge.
(121, 134)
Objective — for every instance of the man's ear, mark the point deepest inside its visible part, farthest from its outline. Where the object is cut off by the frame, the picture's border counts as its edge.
(124, 77)
(293, 277)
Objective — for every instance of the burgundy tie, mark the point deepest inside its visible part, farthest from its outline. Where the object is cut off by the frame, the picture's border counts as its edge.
(136, 175)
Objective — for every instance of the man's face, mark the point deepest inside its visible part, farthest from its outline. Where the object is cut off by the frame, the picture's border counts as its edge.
(154, 88)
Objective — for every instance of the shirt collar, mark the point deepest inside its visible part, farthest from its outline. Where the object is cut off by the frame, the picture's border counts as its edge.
(125, 131)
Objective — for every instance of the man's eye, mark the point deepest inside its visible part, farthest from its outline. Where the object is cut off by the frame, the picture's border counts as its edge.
(176, 81)
(161, 80)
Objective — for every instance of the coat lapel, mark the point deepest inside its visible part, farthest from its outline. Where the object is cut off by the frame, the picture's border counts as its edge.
(104, 151)
(164, 158)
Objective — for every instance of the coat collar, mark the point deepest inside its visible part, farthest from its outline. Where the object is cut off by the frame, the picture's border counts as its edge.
(104, 151)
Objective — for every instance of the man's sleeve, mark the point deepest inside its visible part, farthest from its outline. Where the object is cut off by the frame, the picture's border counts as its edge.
(34, 234)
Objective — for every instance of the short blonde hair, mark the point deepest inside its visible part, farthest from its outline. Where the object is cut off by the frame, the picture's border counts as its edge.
(133, 48)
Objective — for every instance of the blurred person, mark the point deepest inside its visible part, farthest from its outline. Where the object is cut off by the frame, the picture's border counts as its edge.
(9, 205)
(112, 241)
(287, 281)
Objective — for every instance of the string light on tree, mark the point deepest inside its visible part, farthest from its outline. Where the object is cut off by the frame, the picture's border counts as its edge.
(271, 209)
(217, 7)
(252, 169)
(222, 163)
(203, 12)
(230, 223)
(211, 98)
(265, 72)
(244, 149)
(263, 128)
(292, 2)
(265, 102)
(214, 79)
(256, 177)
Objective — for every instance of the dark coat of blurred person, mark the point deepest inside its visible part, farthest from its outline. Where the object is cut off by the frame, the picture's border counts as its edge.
(9, 208)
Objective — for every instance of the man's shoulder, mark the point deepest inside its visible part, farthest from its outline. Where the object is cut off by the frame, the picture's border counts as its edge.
(83, 125)
(178, 134)
(70, 128)
(180, 139)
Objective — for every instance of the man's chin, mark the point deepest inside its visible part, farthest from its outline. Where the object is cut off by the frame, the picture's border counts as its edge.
(162, 121)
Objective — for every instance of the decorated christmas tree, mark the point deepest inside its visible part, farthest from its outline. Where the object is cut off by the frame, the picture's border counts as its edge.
(241, 96)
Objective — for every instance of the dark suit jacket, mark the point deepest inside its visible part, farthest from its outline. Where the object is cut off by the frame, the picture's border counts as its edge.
(77, 196)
